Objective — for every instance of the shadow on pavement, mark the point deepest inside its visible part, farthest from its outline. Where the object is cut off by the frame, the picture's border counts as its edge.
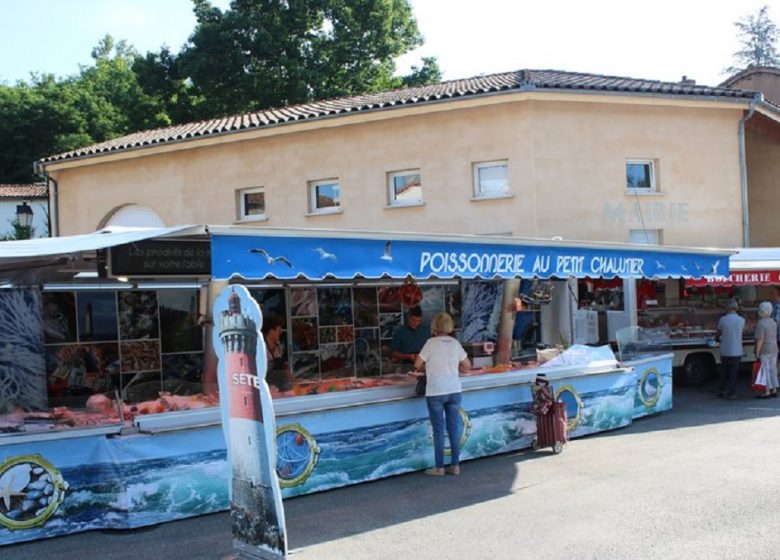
(366, 507)
(700, 406)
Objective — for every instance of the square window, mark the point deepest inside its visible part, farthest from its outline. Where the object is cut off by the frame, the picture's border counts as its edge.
(644, 236)
(491, 179)
(324, 196)
(640, 176)
(251, 204)
(404, 187)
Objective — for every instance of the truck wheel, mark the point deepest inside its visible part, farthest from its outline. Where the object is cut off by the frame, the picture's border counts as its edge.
(697, 370)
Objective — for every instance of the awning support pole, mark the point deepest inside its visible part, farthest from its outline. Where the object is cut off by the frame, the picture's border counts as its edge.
(208, 295)
(629, 300)
(506, 324)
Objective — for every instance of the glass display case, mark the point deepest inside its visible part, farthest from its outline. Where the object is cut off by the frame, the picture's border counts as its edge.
(693, 324)
(85, 358)
(638, 343)
(113, 358)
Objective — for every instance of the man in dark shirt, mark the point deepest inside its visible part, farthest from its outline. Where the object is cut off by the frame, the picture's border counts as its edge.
(409, 339)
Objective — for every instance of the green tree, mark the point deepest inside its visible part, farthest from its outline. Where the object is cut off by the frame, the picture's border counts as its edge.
(159, 76)
(109, 95)
(758, 37)
(256, 55)
(269, 53)
(49, 116)
(35, 121)
(428, 73)
(18, 232)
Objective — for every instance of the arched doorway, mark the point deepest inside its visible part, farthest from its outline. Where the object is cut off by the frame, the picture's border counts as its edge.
(132, 215)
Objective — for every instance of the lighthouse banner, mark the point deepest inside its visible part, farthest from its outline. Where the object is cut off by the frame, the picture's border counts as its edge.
(256, 510)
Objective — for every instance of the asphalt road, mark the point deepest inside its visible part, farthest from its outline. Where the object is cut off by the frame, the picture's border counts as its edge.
(702, 481)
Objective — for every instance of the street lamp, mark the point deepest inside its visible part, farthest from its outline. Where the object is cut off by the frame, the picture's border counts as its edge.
(24, 217)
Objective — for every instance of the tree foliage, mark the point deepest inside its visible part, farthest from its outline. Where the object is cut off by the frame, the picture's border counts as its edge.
(269, 53)
(255, 55)
(758, 38)
(17, 232)
(49, 116)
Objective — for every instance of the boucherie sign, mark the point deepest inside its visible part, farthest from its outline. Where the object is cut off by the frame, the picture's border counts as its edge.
(746, 278)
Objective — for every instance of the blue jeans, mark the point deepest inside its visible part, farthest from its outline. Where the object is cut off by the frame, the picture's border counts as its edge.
(443, 407)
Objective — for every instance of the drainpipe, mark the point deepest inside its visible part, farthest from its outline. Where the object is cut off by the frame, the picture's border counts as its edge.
(743, 171)
(55, 210)
(54, 198)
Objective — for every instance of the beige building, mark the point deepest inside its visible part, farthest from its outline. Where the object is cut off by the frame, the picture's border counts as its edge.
(762, 139)
(528, 153)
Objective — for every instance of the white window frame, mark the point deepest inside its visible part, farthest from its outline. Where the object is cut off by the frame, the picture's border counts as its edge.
(653, 189)
(314, 210)
(476, 167)
(242, 213)
(646, 236)
(392, 201)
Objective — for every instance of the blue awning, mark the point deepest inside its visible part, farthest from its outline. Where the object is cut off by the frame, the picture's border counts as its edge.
(264, 253)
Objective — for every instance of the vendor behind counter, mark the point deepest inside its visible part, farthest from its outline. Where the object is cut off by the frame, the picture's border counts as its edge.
(279, 374)
(409, 338)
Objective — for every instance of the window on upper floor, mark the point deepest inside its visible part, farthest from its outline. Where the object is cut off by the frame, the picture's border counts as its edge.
(640, 176)
(645, 236)
(404, 188)
(324, 196)
(491, 179)
(251, 204)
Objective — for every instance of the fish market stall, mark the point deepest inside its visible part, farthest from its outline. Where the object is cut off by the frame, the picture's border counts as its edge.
(126, 429)
(333, 439)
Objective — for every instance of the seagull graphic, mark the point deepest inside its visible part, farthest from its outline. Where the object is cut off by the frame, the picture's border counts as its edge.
(659, 265)
(714, 271)
(684, 268)
(698, 266)
(271, 260)
(10, 489)
(387, 256)
(324, 255)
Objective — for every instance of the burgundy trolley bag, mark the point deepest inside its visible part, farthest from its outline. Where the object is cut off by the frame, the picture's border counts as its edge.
(551, 418)
(551, 428)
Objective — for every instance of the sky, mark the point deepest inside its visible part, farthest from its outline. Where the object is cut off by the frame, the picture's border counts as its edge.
(659, 39)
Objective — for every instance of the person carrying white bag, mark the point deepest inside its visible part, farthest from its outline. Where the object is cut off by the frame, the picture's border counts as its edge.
(766, 350)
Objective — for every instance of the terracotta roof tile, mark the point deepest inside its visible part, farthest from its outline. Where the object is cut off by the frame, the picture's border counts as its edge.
(37, 190)
(521, 80)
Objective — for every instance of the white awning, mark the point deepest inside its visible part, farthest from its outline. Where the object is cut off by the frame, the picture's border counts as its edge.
(101, 239)
(16, 256)
(756, 258)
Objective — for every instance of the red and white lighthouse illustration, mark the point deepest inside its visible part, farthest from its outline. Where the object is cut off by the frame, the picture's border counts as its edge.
(255, 510)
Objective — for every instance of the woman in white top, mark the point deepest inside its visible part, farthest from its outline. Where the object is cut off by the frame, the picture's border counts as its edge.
(443, 358)
(766, 347)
